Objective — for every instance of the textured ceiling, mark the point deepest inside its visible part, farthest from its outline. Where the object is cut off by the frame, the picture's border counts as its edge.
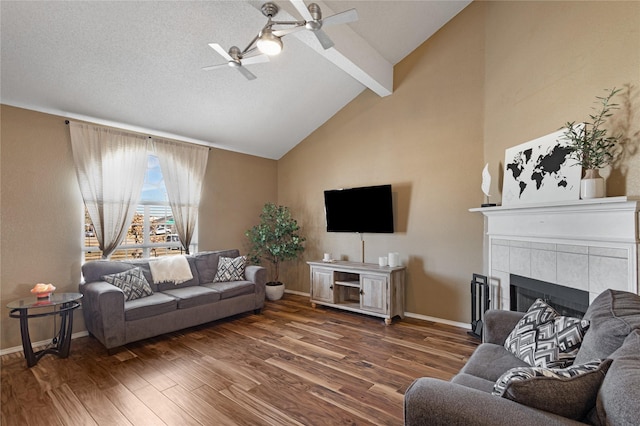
(137, 65)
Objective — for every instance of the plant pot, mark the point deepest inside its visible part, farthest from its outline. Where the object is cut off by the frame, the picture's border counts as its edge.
(274, 291)
(592, 185)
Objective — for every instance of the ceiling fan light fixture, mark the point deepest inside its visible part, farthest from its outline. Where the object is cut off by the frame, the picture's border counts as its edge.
(268, 43)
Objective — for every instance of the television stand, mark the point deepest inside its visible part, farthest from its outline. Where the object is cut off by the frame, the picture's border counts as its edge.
(365, 288)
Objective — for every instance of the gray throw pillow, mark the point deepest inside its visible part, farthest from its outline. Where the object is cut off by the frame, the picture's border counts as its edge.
(570, 392)
(230, 269)
(132, 283)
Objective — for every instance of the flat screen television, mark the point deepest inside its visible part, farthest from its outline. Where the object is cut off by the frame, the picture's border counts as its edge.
(365, 209)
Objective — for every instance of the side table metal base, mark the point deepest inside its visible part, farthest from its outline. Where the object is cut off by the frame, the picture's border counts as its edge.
(62, 341)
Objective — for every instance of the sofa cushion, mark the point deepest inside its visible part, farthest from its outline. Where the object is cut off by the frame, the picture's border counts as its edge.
(94, 270)
(613, 315)
(570, 392)
(489, 361)
(191, 296)
(156, 304)
(230, 269)
(232, 288)
(619, 396)
(144, 265)
(543, 338)
(207, 265)
(131, 282)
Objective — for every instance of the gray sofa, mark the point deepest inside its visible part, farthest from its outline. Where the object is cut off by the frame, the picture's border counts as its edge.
(115, 321)
(614, 333)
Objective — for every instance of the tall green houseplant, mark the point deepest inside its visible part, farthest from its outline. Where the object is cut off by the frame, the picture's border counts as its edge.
(276, 238)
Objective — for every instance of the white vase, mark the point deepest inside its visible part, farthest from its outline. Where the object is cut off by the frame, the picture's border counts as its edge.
(592, 185)
(394, 259)
(274, 292)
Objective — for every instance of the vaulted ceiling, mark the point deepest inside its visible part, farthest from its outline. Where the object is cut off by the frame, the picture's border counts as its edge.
(138, 65)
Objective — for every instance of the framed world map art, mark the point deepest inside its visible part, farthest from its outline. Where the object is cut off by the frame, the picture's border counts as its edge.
(540, 171)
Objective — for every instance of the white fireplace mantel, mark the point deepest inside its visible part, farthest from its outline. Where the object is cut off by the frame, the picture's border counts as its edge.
(590, 245)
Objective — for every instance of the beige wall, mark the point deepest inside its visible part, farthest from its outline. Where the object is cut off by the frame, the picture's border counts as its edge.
(425, 140)
(41, 228)
(41, 210)
(545, 64)
(237, 186)
(499, 74)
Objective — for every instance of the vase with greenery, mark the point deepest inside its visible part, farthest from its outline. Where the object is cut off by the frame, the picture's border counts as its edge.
(275, 239)
(591, 145)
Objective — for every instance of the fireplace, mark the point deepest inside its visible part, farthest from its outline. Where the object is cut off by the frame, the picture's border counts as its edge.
(589, 245)
(567, 301)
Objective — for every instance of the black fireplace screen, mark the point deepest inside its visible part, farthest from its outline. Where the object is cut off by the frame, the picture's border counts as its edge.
(567, 301)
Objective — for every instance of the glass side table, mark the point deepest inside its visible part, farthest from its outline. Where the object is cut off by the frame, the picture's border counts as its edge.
(62, 304)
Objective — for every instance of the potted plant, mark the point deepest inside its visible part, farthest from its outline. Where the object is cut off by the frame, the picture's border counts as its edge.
(591, 147)
(275, 239)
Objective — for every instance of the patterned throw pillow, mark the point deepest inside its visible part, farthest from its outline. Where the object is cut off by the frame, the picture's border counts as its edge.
(543, 338)
(230, 269)
(132, 283)
(569, 392)
(558, 342)
(522, 340)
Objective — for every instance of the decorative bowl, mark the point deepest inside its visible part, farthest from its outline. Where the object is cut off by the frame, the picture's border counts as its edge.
(42, 291)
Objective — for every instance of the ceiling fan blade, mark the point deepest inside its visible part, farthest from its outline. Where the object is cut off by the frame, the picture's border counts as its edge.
(248, 74)
(214, 67)
(324, 39)
(283, 32)
(221, 51)
(302, 9)
(345, 17)
(255, 59)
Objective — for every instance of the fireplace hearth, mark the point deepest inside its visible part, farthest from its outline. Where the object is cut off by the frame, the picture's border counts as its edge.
(567, 301)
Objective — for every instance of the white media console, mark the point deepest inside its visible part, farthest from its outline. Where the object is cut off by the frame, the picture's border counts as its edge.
(365, 288)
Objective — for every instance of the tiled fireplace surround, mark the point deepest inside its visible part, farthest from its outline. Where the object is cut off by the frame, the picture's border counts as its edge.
(590, 245)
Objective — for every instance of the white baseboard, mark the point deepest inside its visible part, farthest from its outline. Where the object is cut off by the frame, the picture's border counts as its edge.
(408, 314)
(439, 320)
(40, 343)
(299, 293)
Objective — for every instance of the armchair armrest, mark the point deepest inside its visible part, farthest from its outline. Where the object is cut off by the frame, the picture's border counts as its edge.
(103, 310)
(435, 402)
(498, 324)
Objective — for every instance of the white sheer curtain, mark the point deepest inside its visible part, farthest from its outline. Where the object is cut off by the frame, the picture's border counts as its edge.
(183, 166)
(110, 165)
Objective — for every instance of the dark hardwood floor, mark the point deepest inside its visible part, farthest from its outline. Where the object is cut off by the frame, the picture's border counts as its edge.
(290, 365)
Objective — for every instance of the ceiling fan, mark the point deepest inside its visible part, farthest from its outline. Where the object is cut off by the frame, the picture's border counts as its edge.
(235, 59)
(268, 40)
(314, 22)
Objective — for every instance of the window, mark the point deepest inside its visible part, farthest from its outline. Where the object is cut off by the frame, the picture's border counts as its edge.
(152, 232)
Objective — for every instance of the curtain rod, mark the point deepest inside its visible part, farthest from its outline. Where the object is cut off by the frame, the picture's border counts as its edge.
(67, 123)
